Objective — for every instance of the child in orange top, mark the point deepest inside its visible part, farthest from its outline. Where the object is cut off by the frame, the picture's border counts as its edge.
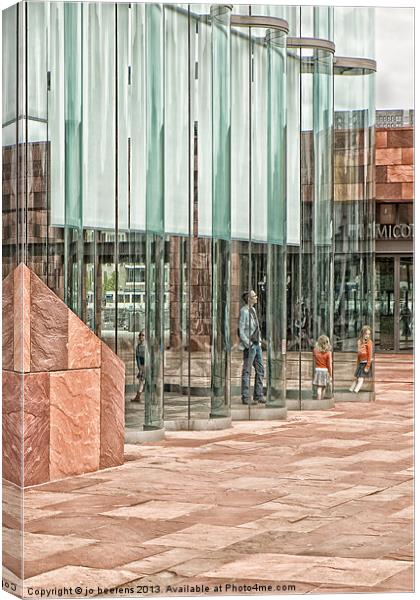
(364, 359)
(323, 365)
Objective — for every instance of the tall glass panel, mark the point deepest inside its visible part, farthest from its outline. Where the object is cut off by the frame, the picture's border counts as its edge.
(200, 253)
(126, 336)
(73, 149)
(137, 162)
(56, 131)
(36, 191)
(241, 176)
(132, 253)
(316, 183)
(155, 241)
(132, 278)
(323, 22)
(256, 358)
(354, 31)
(10, 80)
(177, 189)
(123, 111)
(354, 273)
(294, 317)
(258, 194)
(291, 14)
(99, 109)
(276, 219)
(221, 210)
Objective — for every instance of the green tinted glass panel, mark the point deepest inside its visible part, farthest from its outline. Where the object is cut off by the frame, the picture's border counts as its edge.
(276, 184)
(154, 118)
(221, 121)
(73, 113)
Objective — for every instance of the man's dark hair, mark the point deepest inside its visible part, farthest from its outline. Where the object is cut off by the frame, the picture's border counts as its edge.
(245, 296)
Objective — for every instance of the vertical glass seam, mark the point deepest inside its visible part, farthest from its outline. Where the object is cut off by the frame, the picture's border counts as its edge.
(190, 202)
(116, 242)
(250, 182)
(25, 150)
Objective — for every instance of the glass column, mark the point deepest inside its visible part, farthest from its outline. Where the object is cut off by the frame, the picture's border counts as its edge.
(36, 153)
(259, 211)
(11, 77)
(293, 279)
(154, 73)
(133, 253)
(56, 148)
(241, 177)
(276, 219)
(354, 205)
(315, 311)
(73, 132)
(199, 366)
(177, 204)
(260, 174)
(221, 211)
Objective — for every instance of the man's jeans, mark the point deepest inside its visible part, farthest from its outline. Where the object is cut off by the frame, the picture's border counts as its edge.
(253, 356)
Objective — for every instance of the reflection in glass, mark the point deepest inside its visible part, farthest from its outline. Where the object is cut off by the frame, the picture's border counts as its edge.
(155, 208)
(221, 211)
(385, 304)
(354, 164)
(276, 219)
(314, 314)
(138, 214)
(10, 109)
(177, 200)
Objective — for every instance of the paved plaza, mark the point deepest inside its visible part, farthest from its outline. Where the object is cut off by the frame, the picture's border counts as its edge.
(322, 502)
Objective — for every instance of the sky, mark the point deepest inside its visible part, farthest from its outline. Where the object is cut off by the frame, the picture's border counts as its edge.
(395, 58)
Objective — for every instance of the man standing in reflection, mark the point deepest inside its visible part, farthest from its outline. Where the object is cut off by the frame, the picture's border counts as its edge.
(250, 343)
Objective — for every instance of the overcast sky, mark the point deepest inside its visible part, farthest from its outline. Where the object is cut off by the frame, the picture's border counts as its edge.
(395, 58)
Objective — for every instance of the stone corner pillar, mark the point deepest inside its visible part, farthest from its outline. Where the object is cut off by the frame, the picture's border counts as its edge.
(63, 389)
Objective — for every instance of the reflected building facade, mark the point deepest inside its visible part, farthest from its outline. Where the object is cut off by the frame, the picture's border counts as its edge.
(159, 160)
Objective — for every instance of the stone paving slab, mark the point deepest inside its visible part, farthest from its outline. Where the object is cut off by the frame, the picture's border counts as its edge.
(320, 503)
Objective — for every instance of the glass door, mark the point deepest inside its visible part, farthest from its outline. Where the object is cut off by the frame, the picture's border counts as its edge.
(406, 325)
(385, 304)
(394, 303)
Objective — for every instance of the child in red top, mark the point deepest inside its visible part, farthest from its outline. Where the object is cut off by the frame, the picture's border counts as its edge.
(323, 365)
(364, 359)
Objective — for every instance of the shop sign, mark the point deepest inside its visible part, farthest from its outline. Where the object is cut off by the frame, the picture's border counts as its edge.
(404, 231)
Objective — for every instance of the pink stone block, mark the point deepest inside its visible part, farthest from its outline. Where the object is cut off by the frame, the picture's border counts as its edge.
(408, 156)
(401, 173)
(36, 408)
(388, 156)
(408, 191)
(381, 139)
(401, 138)
(112, 409)
(22, 307)
(388, 191)
(8, 323)
(12, 426)
(84, 346)
(74, 422)
(49, 329)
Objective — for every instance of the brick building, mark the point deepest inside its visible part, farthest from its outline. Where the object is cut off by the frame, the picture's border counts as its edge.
(394, 230)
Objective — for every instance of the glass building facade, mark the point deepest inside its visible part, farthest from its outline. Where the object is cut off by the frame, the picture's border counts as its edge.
(160, 160)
